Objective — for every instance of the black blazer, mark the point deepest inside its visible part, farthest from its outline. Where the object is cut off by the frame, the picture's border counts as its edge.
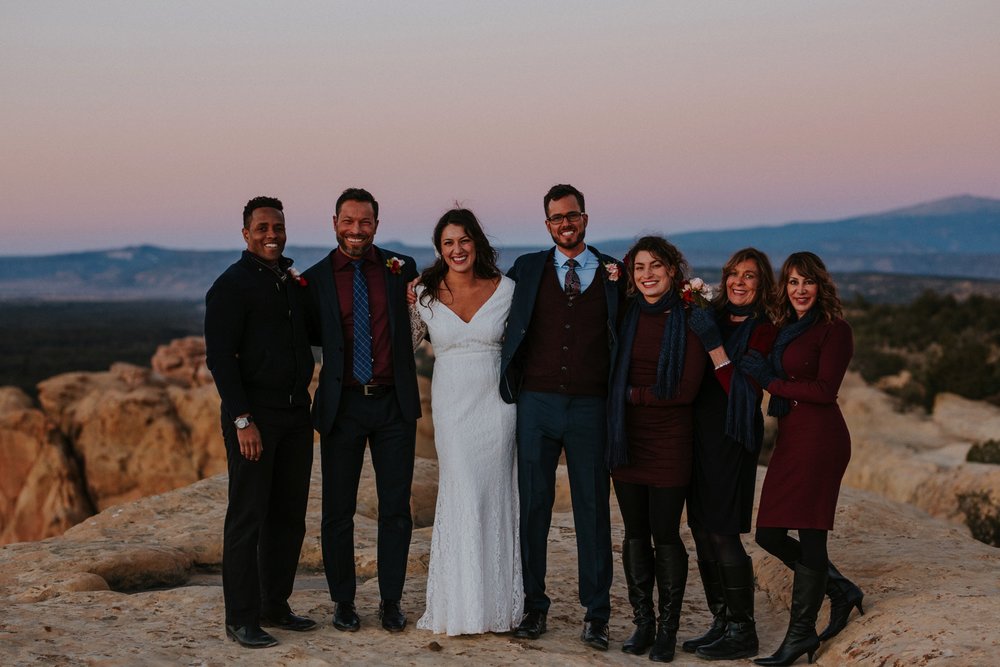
(327, 331)
(527, 273)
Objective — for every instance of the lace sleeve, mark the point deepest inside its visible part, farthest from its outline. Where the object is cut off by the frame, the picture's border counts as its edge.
(418, 330)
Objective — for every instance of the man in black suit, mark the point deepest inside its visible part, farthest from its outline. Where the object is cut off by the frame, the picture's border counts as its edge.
(556, 360)
(258, 351)
(367, 393)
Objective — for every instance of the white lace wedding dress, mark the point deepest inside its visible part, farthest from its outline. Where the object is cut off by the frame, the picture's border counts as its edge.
(474, 578)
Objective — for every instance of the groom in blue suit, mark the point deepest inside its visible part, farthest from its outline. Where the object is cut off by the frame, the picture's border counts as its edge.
(556, 360)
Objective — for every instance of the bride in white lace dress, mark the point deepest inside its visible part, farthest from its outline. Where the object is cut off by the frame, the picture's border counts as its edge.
(474, 578)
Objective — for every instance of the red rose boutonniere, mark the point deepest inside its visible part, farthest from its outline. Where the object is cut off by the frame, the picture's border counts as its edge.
(395, 265)
(697, 292)
(297, 277)
(612, 270)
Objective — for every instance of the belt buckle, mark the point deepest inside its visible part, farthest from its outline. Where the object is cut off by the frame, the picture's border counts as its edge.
(369, 389)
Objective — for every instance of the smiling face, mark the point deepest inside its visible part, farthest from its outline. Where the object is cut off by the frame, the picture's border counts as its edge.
(458, 250)
(801, 291)
(355, 227)
(265, 235)
(652, 277)
(742, 283)
(567, 224)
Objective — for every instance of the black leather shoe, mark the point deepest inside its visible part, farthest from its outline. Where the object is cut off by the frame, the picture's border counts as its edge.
(532, 626)
(393, 618)
(250, 636)
(595, 634)
(289, 621)
(345, 618)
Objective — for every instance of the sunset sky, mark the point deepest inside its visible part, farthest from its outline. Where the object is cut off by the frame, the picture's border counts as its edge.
(153, 122)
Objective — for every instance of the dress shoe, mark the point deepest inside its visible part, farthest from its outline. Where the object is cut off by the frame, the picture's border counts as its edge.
(532, 626)
(345, 618)
(595, 634)
(289, 621)
(393, 618)
(250, 636)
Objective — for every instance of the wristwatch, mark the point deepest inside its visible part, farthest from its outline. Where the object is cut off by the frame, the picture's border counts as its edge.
(243, 422)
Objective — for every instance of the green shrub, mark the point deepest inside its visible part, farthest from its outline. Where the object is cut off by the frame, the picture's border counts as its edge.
(982, 516)
(984, 452)
(873, 363)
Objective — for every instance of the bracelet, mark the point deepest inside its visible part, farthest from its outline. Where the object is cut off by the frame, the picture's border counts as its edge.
(723, 364)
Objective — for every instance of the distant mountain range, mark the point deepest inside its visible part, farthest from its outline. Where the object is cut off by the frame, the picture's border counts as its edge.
(957, 236)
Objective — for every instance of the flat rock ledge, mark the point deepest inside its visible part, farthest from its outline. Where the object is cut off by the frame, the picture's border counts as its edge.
(139, 584)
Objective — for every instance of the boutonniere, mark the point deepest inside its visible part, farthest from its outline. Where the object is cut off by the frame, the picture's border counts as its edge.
(696, 292)
(395, 265)
(612, 269)
(297, 277)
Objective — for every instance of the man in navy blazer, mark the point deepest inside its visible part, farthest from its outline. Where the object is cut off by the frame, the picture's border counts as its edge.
(556, 360)
(367, 393)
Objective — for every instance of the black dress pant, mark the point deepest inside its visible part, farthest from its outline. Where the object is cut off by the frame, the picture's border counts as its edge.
(266, 517)
(376, 420)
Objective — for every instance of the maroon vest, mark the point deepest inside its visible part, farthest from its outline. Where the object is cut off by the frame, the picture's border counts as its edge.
(567, 341)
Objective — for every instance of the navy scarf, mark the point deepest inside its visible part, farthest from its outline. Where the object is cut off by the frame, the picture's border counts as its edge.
(780, 406)
(669, 367)
(741, 408)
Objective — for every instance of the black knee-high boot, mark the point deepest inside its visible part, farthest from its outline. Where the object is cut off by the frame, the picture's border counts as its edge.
(637, 559)
(740, 638)
(844, 596)
(671, 579)
(808, 589)
(711, 581)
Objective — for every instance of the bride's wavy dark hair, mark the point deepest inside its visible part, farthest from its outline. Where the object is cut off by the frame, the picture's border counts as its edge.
(484, 266)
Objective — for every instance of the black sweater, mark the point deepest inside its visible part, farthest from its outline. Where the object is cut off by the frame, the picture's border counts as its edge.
(256, 339)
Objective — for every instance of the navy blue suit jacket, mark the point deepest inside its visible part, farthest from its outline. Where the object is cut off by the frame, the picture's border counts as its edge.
(527, 273)
(325, 314)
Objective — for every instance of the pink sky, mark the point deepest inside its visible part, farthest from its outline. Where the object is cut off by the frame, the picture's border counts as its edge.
(127, 123)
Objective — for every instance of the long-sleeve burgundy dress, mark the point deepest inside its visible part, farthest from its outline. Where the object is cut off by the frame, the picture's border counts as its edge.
(813, 447)
(659, 431)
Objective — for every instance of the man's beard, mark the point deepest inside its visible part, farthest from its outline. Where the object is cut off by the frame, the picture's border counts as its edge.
(353, 251)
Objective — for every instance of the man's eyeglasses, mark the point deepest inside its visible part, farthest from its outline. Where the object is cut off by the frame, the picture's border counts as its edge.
(559, 218)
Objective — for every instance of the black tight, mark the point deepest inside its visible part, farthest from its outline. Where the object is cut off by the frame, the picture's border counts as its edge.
(809, 549)
(718, 547)
(651, 511)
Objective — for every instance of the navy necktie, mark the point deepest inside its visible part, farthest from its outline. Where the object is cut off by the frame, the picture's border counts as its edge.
(572, 284)
(362, 327)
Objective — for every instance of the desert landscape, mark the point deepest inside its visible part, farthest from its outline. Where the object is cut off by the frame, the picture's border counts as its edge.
(112, 497)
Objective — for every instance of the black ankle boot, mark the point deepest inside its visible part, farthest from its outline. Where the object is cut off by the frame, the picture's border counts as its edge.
(637, 559)
(844, 596)
(711, 581)
(740, 637)
(808, 589)
(671, 579)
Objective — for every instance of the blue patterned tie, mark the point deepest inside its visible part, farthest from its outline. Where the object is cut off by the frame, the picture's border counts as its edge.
(572, 284)
(362, 327)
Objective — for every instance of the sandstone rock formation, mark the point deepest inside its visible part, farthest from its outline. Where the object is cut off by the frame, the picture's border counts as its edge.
(915, 458)
(182, 361)
(41, 491)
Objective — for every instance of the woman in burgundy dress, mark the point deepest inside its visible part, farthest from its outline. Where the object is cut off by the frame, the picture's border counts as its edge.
(656, 377)
(803, 375)
(728, 430)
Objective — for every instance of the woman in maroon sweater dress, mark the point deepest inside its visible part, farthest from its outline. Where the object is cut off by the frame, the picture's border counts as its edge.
(803, 375)
(656, 377)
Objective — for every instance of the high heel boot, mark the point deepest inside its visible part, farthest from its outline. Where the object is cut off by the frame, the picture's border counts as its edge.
(637, 559)
(740, 638)
(671, 579)
(844, 596)
(808, 589)
(711, 581)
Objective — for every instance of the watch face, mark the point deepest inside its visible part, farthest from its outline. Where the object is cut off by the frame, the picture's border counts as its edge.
(242, 422)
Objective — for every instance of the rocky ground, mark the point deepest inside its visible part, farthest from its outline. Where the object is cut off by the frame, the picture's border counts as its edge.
(139, 584)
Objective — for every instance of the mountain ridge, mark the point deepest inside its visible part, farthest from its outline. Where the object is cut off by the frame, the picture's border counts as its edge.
(956, 236)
